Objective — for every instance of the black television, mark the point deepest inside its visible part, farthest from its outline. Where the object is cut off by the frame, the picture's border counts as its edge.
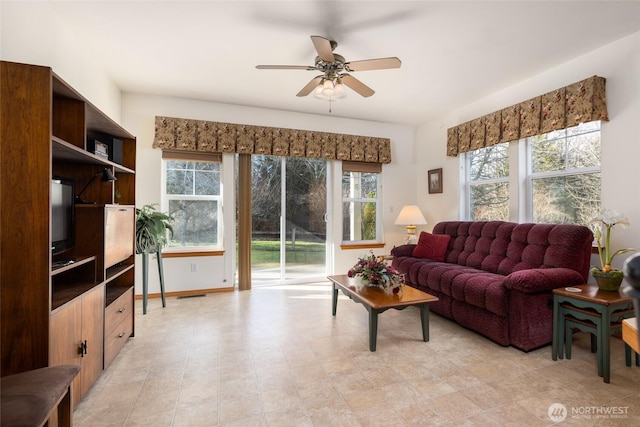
(62, 215)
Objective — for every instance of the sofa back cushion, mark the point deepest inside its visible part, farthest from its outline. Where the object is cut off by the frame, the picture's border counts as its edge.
(504, 247)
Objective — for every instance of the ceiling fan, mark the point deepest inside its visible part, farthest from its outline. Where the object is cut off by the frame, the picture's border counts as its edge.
(335, 71)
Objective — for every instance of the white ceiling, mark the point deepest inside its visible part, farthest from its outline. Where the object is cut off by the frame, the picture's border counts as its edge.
(452, 52)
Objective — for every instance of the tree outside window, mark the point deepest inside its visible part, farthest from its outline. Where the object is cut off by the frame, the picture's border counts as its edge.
(488, 178)
(193, 197)
(565, 174)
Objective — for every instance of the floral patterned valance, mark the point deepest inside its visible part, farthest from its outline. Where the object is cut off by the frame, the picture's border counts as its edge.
(580, 102)
(205, 136)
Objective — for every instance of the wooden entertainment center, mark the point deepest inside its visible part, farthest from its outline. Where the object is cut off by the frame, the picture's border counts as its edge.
(82, 312)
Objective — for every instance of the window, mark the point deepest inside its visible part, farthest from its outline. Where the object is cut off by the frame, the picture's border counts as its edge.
(360, 199)
(193, 196)
(564, 178)
(552, 178)
(488, 179)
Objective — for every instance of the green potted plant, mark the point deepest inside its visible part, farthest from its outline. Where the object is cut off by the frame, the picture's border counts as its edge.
(152, 228)
(607, 277)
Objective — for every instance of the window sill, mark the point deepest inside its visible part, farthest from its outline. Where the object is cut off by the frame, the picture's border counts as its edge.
(347, 246)
(192, 253)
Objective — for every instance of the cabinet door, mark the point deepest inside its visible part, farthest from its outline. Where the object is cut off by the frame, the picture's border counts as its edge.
(92, 332)
(65, 340)
(119, 234)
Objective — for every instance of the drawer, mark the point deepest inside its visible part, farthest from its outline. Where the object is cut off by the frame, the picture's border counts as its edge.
(119, 310)
(114, 341)
(119, 233)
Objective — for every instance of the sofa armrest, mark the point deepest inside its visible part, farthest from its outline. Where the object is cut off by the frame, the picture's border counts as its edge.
(403, 250)
(542, 279)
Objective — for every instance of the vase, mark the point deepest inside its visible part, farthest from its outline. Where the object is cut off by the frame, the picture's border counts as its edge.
(608, 281)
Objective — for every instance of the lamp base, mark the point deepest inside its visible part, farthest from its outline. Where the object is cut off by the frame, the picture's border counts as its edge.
(411, 235)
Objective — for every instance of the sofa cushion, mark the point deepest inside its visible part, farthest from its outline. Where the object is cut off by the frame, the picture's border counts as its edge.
(432, 246)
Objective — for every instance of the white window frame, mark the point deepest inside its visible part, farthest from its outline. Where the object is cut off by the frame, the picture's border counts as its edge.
(520, 180)
(469, 183)
(166, 198)
(530, 176)
(352, 199)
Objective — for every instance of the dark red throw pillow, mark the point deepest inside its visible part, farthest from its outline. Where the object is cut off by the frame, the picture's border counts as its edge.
(432, 246)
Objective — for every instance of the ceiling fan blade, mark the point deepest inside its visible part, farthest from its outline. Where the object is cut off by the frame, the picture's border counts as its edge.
(310, 86)
(357, 85)
(323, 46)
(285, 67)
(374, 64)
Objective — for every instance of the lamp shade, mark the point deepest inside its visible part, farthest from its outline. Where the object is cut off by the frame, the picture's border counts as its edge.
(410, 215)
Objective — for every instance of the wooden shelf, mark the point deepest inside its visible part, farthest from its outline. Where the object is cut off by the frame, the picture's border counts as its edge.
(77, 262)
(118, 270)
(63, 151)
(64, 294)
(114, 292)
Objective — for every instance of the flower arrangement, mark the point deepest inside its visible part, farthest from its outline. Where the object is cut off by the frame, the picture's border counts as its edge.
(608, 219)
(374, 271)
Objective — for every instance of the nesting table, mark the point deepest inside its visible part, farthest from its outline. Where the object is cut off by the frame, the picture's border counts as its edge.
(588, 303)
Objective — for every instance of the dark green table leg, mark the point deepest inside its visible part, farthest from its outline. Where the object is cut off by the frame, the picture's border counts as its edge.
(554, 340)
(335, 298)
(161, 275)
(424, 317)
(373, 329)
(145, 280)
(605, 340)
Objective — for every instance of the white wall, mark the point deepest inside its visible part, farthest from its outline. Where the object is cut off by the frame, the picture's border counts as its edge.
(58, 45)
(139, 113)
(32, 33)
(619, 63)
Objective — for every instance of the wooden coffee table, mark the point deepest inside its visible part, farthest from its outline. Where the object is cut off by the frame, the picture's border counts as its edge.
(376, 301)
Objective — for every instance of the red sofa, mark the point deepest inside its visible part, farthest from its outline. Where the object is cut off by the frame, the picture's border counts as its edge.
(496, 277)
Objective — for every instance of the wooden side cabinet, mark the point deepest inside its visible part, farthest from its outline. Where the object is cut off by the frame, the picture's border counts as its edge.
(77, 338)
(65, 307)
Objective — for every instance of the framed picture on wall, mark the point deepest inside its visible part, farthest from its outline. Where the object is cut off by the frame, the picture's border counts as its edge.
(434, 179)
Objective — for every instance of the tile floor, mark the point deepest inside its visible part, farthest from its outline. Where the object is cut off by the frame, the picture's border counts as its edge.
(275, 356)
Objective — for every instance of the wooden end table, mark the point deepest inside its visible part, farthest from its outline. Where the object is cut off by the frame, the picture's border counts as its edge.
(602, 307)
(376, 301)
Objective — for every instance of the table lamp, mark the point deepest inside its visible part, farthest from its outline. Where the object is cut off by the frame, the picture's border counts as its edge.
(409, 216)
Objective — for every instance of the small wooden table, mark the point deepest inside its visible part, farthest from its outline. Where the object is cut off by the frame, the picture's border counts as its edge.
(606, 306)
(630, 333)
(376, 301)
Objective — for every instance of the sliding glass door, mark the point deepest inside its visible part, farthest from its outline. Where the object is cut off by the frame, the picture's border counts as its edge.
(289, 197)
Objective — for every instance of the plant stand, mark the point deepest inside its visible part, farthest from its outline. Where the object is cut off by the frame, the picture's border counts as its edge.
(145, 278)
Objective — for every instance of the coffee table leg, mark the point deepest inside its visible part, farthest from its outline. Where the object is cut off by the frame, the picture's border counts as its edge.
(373, 329)
(424, 317)
(335, 298)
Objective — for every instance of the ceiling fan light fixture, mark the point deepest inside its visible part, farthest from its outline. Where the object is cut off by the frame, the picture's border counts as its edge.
(340, 91)
(330, 89)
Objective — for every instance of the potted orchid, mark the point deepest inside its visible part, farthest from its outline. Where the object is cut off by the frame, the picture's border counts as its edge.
(607, 277)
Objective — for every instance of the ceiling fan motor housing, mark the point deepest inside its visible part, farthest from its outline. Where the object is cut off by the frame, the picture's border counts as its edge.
(336, 65)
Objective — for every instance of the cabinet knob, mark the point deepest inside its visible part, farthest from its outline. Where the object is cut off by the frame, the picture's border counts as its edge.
(121, 334)
(121, 310)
